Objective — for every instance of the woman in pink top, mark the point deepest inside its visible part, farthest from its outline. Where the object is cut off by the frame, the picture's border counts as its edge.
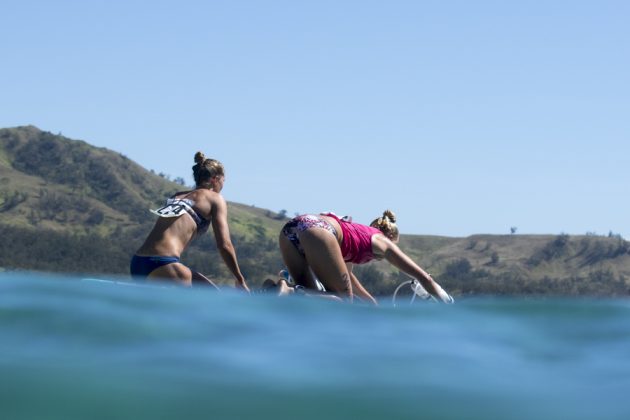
(328, 247)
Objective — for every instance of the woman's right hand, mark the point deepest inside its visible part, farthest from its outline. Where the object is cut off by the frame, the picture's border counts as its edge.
(441, 293)
(241, 284)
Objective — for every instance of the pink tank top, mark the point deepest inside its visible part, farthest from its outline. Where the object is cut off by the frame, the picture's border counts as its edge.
(356, 246)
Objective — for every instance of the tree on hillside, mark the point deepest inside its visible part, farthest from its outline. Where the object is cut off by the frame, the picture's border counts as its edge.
(9, 201)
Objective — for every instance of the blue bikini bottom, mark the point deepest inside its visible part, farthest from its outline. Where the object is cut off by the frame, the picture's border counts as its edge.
(142, 266)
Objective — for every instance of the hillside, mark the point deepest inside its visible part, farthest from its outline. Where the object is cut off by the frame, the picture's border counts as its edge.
(68, 206)
(526, 264)
(55, 183)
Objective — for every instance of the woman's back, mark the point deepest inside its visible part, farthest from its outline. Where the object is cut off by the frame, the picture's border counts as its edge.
(184, 215)
(356, 243)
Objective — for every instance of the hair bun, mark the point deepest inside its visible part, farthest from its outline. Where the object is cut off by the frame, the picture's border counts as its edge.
(387, 225)
(388, 214)
(199, 158)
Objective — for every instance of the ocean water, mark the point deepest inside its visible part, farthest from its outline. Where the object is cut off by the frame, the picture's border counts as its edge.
(75, 349)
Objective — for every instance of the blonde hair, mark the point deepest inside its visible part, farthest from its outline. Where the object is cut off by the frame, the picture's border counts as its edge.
(205, 169)
(387, 225)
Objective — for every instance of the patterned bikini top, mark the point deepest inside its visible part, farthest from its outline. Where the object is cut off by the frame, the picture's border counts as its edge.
(175, 207)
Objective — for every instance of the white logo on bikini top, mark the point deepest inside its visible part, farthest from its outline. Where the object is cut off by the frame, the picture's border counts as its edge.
(174, 208)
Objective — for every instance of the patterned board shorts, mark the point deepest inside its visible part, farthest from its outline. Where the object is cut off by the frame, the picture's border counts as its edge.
(300, 224)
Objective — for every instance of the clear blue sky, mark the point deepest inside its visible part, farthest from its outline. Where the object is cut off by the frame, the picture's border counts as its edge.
(463, 117)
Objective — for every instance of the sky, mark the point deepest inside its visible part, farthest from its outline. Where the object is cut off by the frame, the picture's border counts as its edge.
(463, 117)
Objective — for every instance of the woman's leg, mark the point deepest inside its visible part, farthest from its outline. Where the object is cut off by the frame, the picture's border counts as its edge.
(296, 263)
(323, 255)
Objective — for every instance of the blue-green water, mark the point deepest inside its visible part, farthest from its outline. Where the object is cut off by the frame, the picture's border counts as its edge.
(72, 349)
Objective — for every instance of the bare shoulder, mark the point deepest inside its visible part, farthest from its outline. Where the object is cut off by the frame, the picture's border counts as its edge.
(216, 199)
(181, 194)
(206, 202)
(208, 196)
(381, 244)
(215, 202)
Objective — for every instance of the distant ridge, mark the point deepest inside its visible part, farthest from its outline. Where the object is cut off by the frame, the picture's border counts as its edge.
(67, 206)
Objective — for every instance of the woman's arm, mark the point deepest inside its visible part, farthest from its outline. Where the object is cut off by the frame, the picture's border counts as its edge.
(400, 260)
(224, 243)
(357, 287)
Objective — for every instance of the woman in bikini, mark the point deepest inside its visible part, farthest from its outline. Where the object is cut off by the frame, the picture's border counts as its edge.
(185, 215)
(328, 247)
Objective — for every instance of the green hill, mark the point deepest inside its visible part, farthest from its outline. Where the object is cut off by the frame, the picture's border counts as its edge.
(67, 206)
(525, 264)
